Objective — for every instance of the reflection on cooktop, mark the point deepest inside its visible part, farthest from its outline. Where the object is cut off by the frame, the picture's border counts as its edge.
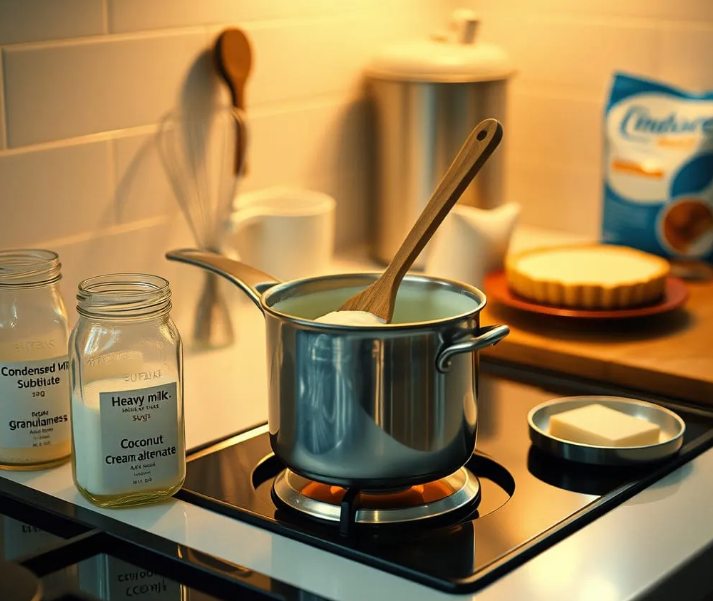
(107, 578)
(18, 539)
(53, 550)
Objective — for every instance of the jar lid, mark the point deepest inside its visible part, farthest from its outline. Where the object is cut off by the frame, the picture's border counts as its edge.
(454, 56)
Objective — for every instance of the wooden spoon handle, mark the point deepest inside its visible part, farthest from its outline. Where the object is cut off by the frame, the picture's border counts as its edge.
(478, 147)
(233, 57)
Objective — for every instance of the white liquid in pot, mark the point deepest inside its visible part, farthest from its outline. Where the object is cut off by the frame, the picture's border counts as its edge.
(415, 302)
(351, 318)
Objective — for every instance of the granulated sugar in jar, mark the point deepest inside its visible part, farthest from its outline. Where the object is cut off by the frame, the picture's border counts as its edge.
(35, 429)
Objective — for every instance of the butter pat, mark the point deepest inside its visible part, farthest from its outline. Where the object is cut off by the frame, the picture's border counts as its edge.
(604, 427)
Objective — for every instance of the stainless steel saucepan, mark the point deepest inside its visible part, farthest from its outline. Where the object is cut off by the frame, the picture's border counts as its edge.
(373, 408)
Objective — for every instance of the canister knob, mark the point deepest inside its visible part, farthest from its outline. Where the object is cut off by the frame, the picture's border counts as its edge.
(465, 24)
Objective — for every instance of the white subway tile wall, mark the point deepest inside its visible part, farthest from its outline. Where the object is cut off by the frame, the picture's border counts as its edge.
(315, 155)
(289, 68)
(54, 193)
(141, 191)
(691, 10)
(138, 15)
(83, 84)
(565, 52)
(543, 126)
(35, 20)
(54, 92)
(557, 195)
(687, 54)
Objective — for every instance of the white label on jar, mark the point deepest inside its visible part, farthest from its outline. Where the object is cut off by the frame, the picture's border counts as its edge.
(139, 428)
(34, 403)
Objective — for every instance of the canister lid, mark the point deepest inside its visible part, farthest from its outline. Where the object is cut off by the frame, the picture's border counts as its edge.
(454, 56)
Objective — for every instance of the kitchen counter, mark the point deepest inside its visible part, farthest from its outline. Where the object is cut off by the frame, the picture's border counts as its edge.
(616, 557)
(670, 354)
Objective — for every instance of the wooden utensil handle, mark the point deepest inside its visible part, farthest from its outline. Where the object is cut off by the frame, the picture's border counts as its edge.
(240, 166)
(479, 145)
(233, 57)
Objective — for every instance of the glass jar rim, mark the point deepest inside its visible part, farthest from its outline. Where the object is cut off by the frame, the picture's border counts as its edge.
(124, 295)
(29, 267)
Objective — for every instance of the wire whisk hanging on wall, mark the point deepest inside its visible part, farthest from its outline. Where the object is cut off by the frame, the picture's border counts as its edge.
(198, 153)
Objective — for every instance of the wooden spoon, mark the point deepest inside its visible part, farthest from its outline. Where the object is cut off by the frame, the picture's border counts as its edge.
(234, 60)
(379, 298)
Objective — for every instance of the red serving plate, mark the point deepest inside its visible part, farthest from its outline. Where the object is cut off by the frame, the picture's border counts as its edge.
(497, 289)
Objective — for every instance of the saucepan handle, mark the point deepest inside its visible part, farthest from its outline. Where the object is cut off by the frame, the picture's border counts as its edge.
(250, 280)
(487, 336)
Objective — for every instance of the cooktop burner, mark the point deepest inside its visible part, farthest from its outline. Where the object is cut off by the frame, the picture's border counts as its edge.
(349, 506)
(509, 502)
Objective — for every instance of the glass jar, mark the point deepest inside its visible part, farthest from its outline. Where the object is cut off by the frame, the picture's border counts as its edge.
(34, 383)
(126, 366)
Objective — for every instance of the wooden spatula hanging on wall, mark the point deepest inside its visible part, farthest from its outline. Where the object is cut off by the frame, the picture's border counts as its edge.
(233, 57)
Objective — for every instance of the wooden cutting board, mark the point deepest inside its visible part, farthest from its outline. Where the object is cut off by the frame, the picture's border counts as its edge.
(670, 354)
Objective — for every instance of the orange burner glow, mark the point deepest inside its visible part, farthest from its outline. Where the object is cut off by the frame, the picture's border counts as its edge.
(419, 502)
(410, 497)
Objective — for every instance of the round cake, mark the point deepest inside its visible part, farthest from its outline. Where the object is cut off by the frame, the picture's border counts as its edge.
(595, 276)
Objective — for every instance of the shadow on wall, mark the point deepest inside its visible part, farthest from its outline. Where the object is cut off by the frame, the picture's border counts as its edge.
(344, 168)
(144, 196)
(129, 191)
(200, 92)
(201, 88)
(342, 165)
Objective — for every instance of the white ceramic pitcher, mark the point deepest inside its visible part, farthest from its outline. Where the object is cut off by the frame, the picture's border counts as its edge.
(286, 232)
(471, 242)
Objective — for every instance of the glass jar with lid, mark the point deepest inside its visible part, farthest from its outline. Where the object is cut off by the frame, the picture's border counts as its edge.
(126, 364)
(34, 380)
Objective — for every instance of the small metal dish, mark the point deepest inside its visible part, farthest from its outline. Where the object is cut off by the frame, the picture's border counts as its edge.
(671, 438)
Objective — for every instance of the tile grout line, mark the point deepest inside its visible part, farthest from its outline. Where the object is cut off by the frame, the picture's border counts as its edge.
(170, 31)
(101, 38)
(113, 230)
(105, 16)
(79, 140)
(263, 110)
(3, 108)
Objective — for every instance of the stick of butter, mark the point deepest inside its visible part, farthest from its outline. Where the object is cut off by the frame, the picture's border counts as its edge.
(604, 427)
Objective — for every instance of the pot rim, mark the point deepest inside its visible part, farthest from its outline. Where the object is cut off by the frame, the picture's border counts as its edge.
(475, 293)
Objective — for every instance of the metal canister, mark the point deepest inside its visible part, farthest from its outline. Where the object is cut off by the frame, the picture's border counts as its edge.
(427, 96)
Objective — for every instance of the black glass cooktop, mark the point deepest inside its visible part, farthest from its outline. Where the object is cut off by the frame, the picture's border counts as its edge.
(528, 501)
(51, 550)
